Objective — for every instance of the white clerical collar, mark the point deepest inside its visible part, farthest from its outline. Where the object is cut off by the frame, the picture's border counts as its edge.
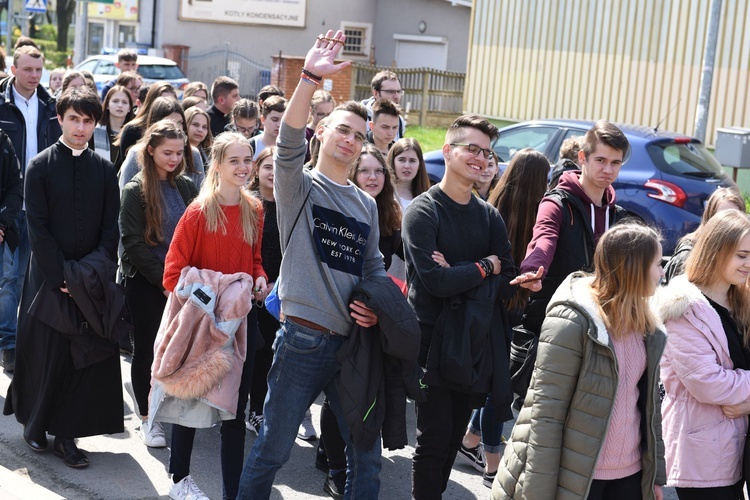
(76, 152)
(19, 98)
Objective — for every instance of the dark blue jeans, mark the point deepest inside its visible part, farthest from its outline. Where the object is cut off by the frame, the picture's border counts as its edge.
(304, 364)
(483, 423)
(13, 272)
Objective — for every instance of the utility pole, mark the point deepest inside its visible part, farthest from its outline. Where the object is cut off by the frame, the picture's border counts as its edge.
(9, 27)
(709, 57)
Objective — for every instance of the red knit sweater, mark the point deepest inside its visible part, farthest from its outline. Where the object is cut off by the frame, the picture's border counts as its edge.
(192, 245)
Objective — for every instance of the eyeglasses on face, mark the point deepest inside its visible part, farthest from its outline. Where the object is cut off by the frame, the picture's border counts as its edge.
(367, 172)
(392, 92)
(475, 150)
(245, 130)
(346, 131)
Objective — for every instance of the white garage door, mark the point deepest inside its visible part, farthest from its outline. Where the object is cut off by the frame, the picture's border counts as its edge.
(421, 52)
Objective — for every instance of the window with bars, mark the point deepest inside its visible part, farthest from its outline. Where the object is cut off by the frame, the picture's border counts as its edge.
(357, 39)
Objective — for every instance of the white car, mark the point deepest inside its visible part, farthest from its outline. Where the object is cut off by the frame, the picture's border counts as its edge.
(152, 69)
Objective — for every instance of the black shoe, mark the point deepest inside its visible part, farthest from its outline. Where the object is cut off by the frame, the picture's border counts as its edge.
(321, 459)
(335, 484)
(9, 360)
(38, 445)
(66, 449)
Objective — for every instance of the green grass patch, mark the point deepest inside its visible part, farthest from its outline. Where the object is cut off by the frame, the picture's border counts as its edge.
(432, 138)
(429, 138)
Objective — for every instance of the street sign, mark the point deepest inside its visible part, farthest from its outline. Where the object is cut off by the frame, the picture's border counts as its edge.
(35, 6)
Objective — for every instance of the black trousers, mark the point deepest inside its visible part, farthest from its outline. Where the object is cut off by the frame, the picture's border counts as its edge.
(268, 327)
(626, 488)
(441, 424)
(330, 438)
(733, 492)
(146, 303)
(232, 431)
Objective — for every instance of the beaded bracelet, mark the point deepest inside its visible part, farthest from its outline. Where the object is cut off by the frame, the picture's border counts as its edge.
(312, 75)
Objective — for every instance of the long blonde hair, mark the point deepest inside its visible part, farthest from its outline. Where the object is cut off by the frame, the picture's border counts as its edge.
(208, 198)
(716, 244)
(621, 285)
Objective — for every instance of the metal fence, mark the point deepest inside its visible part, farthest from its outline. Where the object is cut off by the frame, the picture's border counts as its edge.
(432, 95)
(224, 60)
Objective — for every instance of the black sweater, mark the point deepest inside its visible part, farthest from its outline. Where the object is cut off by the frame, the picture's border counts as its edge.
(463, 234)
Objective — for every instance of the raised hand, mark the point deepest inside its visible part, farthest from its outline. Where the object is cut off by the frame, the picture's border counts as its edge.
(320, 59)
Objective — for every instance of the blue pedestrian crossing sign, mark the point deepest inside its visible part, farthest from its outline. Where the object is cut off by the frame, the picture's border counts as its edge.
(35, 6)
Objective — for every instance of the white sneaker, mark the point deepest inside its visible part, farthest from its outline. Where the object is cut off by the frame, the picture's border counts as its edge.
(254, 423)
(153, 436)
(306, 429)
(186, 490)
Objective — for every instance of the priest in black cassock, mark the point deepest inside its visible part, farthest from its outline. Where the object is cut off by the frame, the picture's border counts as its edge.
(66, 383)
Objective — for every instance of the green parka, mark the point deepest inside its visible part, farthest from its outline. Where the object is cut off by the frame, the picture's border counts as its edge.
(555, 443)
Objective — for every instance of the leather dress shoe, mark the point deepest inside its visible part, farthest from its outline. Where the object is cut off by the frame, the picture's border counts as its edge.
(38, 445)
(66, 449)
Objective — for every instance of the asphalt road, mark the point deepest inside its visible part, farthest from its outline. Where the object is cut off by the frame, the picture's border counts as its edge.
(123, 468)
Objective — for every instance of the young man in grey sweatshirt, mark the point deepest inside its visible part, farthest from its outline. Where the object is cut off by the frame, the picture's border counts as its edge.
(329, 235)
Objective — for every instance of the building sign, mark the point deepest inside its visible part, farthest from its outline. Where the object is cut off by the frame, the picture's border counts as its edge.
(270, 12)
(118, 10)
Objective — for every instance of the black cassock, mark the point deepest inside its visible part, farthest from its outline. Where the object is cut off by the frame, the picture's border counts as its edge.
(72, 205)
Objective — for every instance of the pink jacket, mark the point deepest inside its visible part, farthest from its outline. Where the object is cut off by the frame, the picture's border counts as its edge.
(202, 340)
(704, 448)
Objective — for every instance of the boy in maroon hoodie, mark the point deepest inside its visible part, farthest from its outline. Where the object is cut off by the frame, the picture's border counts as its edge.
(571, 219)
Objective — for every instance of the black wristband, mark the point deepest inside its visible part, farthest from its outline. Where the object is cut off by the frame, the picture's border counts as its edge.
(312, 75)
(488, 266)
(485, 268)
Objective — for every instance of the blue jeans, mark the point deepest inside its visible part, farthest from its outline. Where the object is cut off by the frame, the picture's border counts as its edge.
(483, 423)
(304, 364)
(14, 266)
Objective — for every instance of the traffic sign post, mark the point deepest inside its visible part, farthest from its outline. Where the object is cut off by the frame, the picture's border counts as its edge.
(36, 6)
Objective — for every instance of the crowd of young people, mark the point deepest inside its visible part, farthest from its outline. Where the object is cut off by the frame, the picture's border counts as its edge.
(388, 288)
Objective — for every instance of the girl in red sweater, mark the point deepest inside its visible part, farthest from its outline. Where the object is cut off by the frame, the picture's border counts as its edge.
(220, 231)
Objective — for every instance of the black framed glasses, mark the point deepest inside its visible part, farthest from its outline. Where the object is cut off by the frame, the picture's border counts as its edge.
(475, 150)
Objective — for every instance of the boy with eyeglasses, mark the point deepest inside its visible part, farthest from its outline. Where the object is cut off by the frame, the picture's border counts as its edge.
(456, 245)
(329, 235)
(386, 86)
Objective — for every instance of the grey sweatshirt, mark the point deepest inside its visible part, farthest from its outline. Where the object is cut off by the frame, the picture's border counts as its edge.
(333, 245)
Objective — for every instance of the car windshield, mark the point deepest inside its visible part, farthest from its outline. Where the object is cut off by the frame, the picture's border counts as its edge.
(687, 159)
(160, 72)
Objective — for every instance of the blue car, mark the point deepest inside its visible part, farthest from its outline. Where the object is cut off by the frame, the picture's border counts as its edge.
(665, 180)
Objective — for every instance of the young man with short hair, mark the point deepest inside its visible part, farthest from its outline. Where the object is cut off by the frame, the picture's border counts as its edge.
(225, 92)
(329, 234)
(384, 125)
(27, 115)
(455, 244)
(270, 120)
(127, 60)
(67, 380)
(571, 219)
(386, 85)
